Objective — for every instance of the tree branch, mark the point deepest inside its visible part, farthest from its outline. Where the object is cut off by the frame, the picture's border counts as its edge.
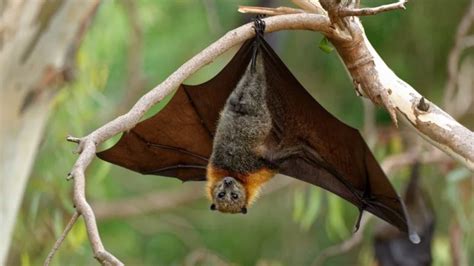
(382, 86)
(61, 238)
(397, 161)
(345, 245)
(346, 11)
(367, 69)
(310, 6)
(269, 11)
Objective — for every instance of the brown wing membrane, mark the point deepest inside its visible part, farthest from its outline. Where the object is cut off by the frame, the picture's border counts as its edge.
(177, 141)
(312, 145)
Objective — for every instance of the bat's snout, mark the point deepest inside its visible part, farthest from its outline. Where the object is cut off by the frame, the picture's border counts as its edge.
(228, 181)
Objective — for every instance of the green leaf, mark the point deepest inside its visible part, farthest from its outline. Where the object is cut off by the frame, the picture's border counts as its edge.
(325, 45)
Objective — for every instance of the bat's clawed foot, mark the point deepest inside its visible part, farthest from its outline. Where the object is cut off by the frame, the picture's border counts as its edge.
(259, 25)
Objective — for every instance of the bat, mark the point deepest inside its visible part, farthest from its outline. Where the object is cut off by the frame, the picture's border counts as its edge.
(248, 123)
(391, 247)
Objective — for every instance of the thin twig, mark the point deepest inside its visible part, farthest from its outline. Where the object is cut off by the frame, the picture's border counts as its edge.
(461, 42)
(61, 238)
(397, 161)
(347, 11)
(345, 245)
(73, 139)
(269, 11)
(87, 147)
(310, 6)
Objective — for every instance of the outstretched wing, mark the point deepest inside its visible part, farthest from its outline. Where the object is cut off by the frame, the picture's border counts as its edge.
(310, 144)
(177, 141)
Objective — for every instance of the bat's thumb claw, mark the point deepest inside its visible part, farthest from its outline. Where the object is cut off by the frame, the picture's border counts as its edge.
(414, 238)
(356, 228)
(357, 224)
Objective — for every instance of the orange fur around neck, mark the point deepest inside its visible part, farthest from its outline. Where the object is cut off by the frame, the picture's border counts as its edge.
(251, 181)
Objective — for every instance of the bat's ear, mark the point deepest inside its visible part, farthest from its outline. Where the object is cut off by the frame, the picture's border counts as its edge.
(244, 210)
(213, 207)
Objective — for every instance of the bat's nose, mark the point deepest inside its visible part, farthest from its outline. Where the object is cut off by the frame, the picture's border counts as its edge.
(228, 181)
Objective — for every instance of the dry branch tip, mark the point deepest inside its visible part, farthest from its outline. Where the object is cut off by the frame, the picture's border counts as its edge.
(347, 11)
(73, 139)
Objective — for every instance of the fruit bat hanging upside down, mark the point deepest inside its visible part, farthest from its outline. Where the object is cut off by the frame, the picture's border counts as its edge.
(248, 123)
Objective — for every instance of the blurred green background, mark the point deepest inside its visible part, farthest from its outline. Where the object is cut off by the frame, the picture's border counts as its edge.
(288, 227)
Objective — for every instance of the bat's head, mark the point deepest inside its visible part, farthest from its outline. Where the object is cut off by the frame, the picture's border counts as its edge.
(229, 195)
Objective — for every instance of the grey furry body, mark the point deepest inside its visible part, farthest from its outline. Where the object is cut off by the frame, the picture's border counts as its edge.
(243, 125)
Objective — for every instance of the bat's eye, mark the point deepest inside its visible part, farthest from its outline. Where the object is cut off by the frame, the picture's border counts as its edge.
(234, 195)
(221, 195)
